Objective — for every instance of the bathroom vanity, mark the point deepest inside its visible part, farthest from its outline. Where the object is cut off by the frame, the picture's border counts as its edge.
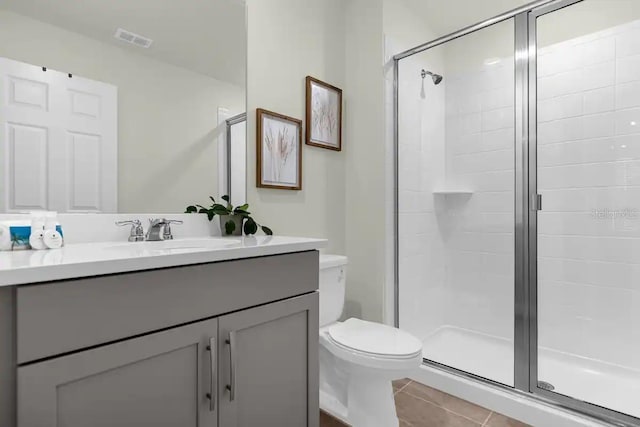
(224, 335)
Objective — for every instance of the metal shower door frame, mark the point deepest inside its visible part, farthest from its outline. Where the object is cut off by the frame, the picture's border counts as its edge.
(606, 414)
(526, 212)
(230, 122)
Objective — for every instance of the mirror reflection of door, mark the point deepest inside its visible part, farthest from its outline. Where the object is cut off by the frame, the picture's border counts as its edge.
(60, 141)
(120, 121)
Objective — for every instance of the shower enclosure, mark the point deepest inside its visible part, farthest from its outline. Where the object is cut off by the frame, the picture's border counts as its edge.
(518, 203)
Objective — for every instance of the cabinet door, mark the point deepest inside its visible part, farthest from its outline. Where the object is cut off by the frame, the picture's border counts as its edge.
(269, 365)
(161, 380)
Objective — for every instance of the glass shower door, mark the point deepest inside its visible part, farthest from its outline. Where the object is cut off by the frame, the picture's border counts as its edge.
(456, 201)
(588, 174)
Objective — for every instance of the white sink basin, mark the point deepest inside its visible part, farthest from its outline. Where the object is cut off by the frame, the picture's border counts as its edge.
(178, 244)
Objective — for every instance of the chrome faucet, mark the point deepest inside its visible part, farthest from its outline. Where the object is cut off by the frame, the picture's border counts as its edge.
(137, 231)
(160, 229)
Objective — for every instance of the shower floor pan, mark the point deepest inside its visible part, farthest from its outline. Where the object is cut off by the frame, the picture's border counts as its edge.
(604, 384)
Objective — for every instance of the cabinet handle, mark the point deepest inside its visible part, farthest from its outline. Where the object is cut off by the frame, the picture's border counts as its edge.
(232, 358)
(212, 378)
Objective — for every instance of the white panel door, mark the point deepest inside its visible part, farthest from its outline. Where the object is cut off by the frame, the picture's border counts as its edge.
(58, 141)
(90, 128)
(27, 128)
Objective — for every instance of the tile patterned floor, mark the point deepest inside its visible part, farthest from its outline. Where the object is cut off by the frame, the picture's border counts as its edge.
(420, 406)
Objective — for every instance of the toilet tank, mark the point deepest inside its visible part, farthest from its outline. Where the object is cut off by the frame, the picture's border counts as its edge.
(333, 270)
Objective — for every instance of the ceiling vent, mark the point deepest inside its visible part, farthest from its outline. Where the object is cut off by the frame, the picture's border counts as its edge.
(133, 38)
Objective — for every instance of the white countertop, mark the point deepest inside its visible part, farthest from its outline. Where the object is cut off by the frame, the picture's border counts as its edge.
(94, 259)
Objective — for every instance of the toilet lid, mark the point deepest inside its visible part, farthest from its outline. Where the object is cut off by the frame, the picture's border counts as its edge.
(374, 338)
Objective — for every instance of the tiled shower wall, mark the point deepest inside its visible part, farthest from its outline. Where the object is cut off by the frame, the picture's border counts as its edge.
(479, 227)
(589, 176)
(421, 170)
(457, 251)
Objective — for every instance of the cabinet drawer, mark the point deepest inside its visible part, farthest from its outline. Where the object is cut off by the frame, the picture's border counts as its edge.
(60, 317)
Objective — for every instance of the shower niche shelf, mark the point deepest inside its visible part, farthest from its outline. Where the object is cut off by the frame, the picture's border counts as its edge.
(452, 192)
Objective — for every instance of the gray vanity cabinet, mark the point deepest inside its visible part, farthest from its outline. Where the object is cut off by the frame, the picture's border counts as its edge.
(228, 344)
(267, 356)
(159, 380)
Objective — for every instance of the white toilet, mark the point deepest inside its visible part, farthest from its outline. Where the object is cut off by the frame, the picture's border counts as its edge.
(359, 359)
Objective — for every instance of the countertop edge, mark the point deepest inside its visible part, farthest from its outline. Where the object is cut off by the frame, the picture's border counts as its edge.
(57, 272)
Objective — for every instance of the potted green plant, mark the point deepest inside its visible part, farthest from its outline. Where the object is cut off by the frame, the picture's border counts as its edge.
(233, 220)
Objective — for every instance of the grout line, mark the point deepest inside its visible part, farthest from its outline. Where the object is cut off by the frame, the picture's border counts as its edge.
(403, 387)
(443, 408)
(484, 424)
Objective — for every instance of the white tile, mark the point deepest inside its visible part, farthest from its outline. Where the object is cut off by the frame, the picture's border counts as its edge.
(560, 130)
(589, 175)
(599, 249)
(413, 223)
(627, 121)
(628, 69)
(484, 161)
(498, 76)
(628, 95)
(628, 43)
(560, 107)
(498, 139)
(493, 202)
(590, 273)
(492, 180)
(489, 222)
(497, 119)
(469, 143)
(599, 100)
(498, 98)
(558, 61)
(607, 149)
(598, 125)
(599, 75)
(496, 243)
(560, 84)
(617, 221)
(408, 171)
(469, 123)
(599, 50)
(545, 63)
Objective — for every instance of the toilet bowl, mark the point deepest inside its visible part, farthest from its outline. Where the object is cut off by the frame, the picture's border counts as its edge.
(359, 359)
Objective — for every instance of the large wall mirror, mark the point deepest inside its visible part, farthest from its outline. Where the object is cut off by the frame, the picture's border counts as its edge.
(121, 106)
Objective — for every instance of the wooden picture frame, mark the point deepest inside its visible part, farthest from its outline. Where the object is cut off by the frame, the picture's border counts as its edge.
(278, 151)
(323, 115)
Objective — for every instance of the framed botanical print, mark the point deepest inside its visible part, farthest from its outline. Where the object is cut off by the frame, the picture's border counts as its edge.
(324, 115)
(279, 151)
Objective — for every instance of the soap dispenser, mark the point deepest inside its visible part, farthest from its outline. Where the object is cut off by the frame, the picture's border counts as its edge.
(36, 238)
(52, 238)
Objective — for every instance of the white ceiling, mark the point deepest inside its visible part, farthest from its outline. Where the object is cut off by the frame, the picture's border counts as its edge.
(447, 16)
(208, 37)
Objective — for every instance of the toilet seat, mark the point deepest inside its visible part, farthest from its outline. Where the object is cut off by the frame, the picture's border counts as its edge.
(372, 344)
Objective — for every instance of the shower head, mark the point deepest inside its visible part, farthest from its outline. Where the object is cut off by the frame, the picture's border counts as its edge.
(437, 78)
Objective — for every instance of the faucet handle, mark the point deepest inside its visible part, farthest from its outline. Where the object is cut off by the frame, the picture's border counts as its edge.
(172, 221)
(137, 231)
(129, 222)
(166, 231)
(163, 221)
